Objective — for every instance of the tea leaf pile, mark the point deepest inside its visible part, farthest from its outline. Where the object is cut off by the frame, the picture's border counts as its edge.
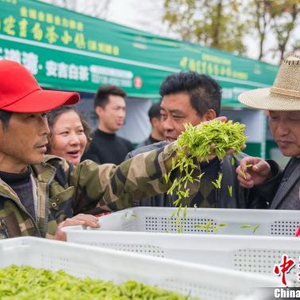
(25, 283)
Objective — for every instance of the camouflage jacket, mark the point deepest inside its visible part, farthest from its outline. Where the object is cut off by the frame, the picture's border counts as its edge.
(62, 191)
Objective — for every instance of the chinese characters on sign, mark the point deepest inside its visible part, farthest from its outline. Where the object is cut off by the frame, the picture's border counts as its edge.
(63, 70)
(70, 71)
(212, 65)
(97, 74)
(28, 59)
(46, 27)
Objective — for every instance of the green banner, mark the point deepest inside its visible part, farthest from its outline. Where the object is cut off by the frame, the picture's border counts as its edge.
(69, 51)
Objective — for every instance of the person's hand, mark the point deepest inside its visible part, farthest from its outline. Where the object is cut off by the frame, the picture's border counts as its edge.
(253, 171)
(228, 152)
(81, 219)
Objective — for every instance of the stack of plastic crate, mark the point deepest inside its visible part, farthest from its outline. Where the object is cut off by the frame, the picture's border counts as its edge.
(243, 240)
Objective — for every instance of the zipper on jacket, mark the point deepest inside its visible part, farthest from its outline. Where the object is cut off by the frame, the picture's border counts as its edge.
(46, 204)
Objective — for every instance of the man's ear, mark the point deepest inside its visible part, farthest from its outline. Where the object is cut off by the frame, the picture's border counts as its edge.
(210, 115)
(154, 122)
(98, 110)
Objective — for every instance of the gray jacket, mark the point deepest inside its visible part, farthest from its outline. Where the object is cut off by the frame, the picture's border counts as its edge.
(241, 197)
(288, 194)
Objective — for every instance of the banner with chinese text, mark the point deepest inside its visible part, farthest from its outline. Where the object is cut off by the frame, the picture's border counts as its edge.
(70, 51)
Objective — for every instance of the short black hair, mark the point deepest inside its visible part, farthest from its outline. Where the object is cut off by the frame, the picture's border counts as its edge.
(154, 111)
(103, 93)
(205, 92)
(5, 117)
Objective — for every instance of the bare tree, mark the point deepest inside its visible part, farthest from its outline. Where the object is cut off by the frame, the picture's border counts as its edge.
(284, 18)
(95, 8)
(278, 18)
(259, 11)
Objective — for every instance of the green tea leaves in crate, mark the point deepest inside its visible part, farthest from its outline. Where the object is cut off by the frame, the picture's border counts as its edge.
(29, 283)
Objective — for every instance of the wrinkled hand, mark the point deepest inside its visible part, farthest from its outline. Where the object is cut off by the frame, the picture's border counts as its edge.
(253, 171)
(80, 219)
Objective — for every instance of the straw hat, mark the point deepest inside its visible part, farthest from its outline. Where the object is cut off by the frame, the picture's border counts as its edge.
(284, 95)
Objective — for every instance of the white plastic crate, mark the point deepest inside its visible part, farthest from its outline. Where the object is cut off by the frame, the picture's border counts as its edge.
(158, 219)
(202, 281)
(255, 254)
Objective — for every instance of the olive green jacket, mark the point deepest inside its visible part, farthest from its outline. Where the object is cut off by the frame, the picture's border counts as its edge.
(62, 191)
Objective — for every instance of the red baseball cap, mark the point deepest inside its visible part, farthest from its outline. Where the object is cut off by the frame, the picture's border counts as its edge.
(21, 93)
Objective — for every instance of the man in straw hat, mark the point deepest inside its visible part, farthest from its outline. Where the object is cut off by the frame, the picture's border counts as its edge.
(39, 194)
(282, 103)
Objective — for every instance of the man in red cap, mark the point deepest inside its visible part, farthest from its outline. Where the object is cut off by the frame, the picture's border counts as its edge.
(39, 194)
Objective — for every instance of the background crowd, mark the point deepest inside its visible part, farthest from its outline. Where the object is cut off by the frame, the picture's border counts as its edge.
(93, 172)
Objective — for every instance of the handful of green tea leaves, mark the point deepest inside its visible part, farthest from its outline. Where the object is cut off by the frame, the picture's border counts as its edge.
(213, 137)
(202, 143)
(25, 282)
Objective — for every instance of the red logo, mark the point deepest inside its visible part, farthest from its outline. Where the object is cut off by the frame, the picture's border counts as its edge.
(286, 266)
(138, 82)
